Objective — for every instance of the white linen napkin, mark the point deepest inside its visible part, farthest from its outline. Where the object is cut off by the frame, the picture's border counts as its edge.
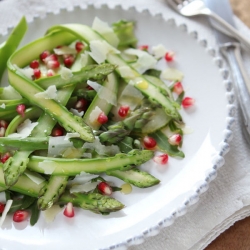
(228, 198)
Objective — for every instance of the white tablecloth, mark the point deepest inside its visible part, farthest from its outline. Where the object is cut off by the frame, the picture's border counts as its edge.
(228, 198)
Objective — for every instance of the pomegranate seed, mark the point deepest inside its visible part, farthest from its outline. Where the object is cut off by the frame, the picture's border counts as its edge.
(175, 139)
(89, 88)
(149, 142)
(37, 73)
(68, 61)
(52, 57)
(2, 206)
(102, 118)
(59, 46)
(5, 157)
(123, 111)
(20, 215)
(161, 159)
(21, 109)
(53, 64)
(79, 46)
(44, 54)
(81, 104)
(69, 210)
(2, 131)
(178, 88)
(187, 102)
(104, 188)
(3, 124)
(50, 72)
(57, 131)
(34, 64)
(143, 47)
(169, 56)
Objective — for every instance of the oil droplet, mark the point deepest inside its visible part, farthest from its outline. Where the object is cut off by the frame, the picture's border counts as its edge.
(141, 84)
(126, 188)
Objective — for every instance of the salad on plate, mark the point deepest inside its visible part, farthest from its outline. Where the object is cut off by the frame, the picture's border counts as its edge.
(83, 104)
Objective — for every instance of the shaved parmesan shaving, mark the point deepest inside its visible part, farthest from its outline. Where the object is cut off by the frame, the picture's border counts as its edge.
(101, 149)
(84, 188)
(72, 153)
(130, 96)
(145, 60)
(172, 74)
(87, 155)
(3, 106)
(35, 177)
(159, 51)
(47, 166)
(57, 145)
(103, 92)
(49, 93)
(126, 72)
(51, 213)
(106, 31)
(81, 178)
(24, 129)
(71, 135)
(94, 115)
(66, 73)
(76, 112)
(94, 85)
(100, 50)
(27, 72)
(5, 211)
(65, 50)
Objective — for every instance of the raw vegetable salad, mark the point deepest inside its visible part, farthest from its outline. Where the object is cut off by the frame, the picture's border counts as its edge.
(84, 103)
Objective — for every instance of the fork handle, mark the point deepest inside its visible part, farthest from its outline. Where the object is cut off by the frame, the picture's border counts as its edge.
(231, 52)
(229, 29)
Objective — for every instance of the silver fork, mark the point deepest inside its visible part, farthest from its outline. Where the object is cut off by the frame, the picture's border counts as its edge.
(198, 7)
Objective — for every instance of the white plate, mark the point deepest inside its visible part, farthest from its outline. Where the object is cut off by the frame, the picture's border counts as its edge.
(182, 181)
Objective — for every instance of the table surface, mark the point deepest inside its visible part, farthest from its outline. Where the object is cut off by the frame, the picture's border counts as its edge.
(237, 236)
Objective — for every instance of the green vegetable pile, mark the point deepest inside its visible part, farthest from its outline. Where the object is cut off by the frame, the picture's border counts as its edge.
(93, 149)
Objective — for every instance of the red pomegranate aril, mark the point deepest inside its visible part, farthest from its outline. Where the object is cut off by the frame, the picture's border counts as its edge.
(102, 118)
(89, 88)
(20, 215)
(57, 131)
(5, 157)
(69, 210)
(2, 206)
(79, 46)
(149, 142)
(44, 54)
(81, 104)
(175, 139)
(178, 88)
(68, 61)
(143, 47)
(187, 102)
(52, 57)
(34, 64)
(20, 109)
(161, 159)
(123, 111)
(50, 72)
(37, 73)
(169, 56)
(104, 188)
(3, 124)
(53, 64)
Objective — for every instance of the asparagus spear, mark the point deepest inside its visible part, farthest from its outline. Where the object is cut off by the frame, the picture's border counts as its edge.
(90, 201)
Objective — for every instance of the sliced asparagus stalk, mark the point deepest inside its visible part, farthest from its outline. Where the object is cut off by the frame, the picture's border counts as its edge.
(90, 201)
(72, 167)
(135, 177)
